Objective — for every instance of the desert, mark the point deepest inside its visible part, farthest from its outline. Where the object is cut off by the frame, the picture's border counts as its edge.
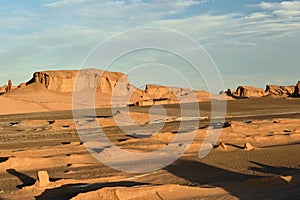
(43, 157)
(150, 100)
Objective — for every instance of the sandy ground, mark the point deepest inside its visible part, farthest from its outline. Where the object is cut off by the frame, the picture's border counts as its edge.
(49, 141)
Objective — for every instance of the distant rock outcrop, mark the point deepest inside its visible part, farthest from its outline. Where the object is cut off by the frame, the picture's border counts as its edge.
(275, 90)
(159, 95)
(271, 90)
(9, 86)
(21, 85)
(297, 90)
(249, 91)
(3, 89)
(163, 92)
(64, 80)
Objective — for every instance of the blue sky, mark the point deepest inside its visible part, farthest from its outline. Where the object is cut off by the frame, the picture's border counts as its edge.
(252, 42)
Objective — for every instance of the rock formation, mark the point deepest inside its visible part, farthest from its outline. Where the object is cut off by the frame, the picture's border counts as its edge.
(249, 91)
(9, 86)
(42, 179)
(275, 90)
(159, 92)
(159, 95)
(271, 90)
(21, 85)
(222, 146)
(3, 89)
(64, 80)
(297, 90)
(248, 146)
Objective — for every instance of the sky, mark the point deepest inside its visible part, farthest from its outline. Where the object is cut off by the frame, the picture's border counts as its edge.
(252, 42)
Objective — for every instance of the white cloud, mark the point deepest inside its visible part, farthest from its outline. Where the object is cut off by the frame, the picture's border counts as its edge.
(287, 5)
(281, 9)
(66, 3)
(235, 39)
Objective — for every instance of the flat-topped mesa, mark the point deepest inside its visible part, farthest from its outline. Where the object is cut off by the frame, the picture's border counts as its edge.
(64, 80)
(249, 92)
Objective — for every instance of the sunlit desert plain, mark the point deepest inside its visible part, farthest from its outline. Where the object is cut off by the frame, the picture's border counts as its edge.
(43, 157)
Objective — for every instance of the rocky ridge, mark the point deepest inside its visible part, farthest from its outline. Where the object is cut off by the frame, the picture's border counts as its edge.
(271, 90)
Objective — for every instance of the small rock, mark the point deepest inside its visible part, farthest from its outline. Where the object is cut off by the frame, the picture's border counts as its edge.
(248, 146)
(288, 179)
(223, 146)
(43, 179)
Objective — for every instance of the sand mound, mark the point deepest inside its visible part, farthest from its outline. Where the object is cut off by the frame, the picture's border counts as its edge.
(13, 106)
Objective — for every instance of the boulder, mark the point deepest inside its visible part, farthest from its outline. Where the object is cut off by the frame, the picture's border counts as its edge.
(249, 91)
(248, 146)
(222, 146)
(275, 90)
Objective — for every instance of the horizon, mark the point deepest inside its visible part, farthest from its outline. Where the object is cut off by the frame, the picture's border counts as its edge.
(144, 86)
(252, 42)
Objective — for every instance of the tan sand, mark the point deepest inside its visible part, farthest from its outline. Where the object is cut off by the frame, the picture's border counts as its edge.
(269, 170)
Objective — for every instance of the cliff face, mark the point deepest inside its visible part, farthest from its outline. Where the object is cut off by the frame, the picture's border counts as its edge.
(64, 80)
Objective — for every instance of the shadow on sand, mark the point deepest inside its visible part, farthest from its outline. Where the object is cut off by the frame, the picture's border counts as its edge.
(240, 185)
(26, 180)
(69, 191)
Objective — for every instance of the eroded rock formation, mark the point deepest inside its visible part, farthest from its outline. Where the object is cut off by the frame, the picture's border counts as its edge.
(275, 90)
(64, 80)
(297, 90)
(271, 90)
(159, 95)
(3, 89)
(9, 86)
(249, 91)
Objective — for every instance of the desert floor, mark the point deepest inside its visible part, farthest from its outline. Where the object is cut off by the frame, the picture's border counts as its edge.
(49, 141)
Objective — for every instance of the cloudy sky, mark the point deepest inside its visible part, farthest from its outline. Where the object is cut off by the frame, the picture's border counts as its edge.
(252, 42)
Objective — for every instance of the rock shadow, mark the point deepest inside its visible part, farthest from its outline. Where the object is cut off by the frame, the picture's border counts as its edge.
(237, 184)
(26, 180)
(69, 191)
